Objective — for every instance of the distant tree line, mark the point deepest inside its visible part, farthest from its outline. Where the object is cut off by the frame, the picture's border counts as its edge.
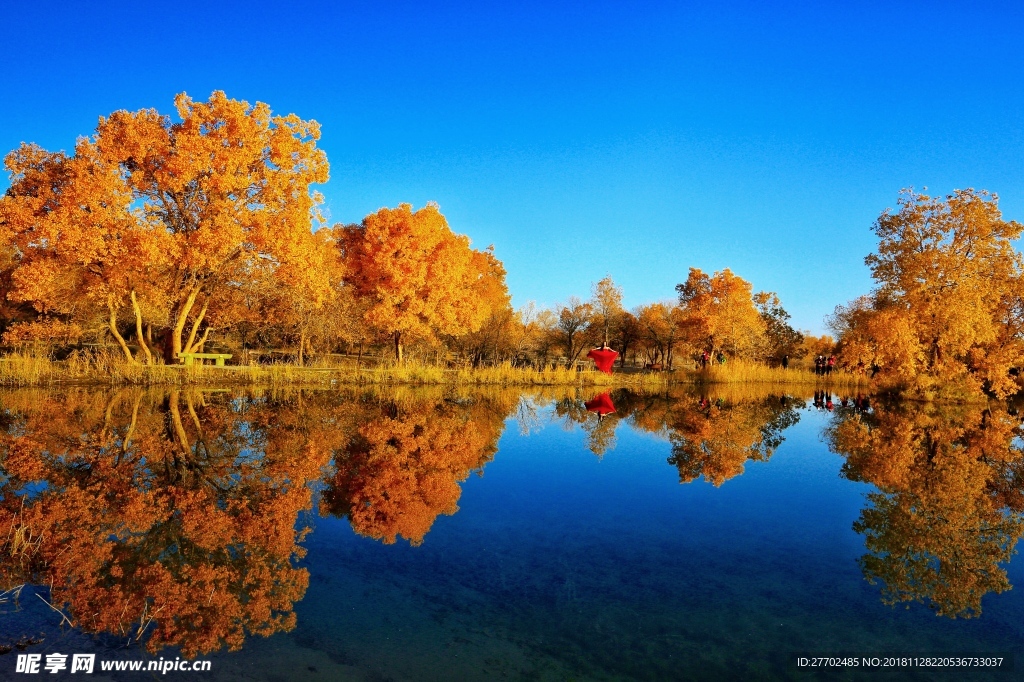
(161, 237)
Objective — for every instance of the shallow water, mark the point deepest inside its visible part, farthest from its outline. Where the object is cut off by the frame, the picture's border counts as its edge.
(501, 536)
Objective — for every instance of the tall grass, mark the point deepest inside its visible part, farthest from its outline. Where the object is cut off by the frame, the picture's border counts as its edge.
(19, 542)
(739, 371)
(110, 368)
(113, 369)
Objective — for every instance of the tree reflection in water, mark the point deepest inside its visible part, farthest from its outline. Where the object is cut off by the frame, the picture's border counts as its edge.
(712, 437)
(158, 517)
(176, 518)
(173, 518)
(402, 465)
(949, 508)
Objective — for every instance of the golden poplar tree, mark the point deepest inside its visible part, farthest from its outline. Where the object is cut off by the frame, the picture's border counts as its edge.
(163, 217)
(418, 278)
(949, 304)
(606, 300)
(719, 316)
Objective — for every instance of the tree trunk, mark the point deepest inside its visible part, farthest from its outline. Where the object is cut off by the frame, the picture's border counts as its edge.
(201, 342)
(302, 346)
(179, 324)
(127, 440)
(359, 358)
(191, 346)
(179, 428)
(139, 336)
(398, 346)
(112, 322)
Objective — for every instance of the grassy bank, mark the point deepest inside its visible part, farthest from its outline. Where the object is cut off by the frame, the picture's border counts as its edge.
(755, 373)
(105, 369)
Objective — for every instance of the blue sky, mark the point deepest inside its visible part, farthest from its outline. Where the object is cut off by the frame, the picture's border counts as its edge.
(581, 139)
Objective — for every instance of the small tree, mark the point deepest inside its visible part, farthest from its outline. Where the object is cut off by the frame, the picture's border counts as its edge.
(780, 338)
(628, 333)
(606, 300)
(575, 319)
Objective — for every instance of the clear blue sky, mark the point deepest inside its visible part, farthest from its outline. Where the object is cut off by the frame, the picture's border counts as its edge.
(636, 139)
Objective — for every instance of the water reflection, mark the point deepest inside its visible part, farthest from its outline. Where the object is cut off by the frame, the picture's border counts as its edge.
(402, 464)
(177, 518)
(164, 518)
(949, 508)
(712, 437)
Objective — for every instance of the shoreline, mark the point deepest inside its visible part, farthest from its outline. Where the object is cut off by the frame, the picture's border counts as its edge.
(41, 372)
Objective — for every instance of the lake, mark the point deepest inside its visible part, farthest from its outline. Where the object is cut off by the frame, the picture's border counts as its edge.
(423, 534)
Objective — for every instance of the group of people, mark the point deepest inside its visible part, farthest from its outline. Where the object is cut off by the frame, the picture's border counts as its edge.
(823, 400)
(705, 359)
(823, 366)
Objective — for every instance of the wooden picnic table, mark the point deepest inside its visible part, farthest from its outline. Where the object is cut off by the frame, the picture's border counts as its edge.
(218, 358)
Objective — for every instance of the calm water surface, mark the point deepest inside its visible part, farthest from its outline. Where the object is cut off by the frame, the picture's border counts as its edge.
(419, 535)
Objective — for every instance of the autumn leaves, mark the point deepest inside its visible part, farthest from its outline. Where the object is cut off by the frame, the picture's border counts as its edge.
(947, 511)
(947, 314)
(175, 518)
(417, 278)
(161, 234)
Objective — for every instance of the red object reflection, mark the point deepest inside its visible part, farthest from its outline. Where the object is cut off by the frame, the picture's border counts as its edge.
(602, 404)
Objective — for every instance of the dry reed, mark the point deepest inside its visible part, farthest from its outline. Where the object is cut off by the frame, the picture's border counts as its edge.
(111, 369)
(755, 373)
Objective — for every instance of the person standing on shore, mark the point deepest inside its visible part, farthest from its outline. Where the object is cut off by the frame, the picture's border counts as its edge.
(603, 357)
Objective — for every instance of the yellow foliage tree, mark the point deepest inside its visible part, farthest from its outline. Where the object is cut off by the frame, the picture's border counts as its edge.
(417, 277)
(719, 316)
(606, 300)
(166, 217)
(659, 330)
(81, 246)
(949, 303)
